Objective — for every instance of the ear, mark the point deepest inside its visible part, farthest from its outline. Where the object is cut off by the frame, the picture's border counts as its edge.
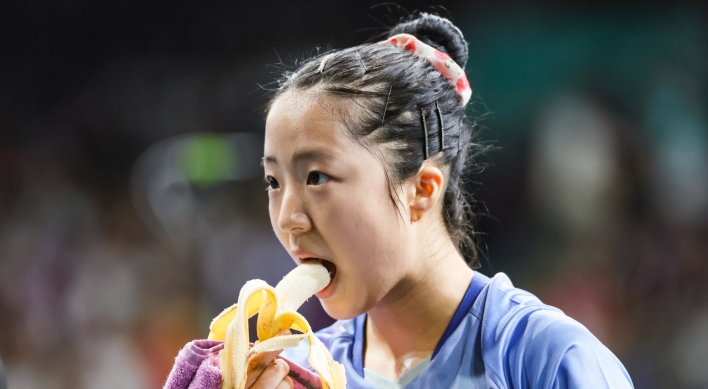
(425, 190)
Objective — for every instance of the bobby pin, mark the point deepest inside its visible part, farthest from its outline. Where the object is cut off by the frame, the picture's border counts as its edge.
(425, 133)
(360, 61)
(386, 106)
(442, 127)
(324, 62)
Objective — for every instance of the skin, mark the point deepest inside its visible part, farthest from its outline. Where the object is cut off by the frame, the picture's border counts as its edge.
(266, 372)
(328, 199)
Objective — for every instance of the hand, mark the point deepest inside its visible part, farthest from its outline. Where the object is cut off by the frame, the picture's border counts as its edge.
(266, 372)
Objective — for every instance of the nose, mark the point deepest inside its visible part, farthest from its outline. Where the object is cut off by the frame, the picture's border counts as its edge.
(292, 217)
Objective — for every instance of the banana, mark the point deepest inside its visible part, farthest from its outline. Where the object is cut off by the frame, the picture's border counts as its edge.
(277, 311)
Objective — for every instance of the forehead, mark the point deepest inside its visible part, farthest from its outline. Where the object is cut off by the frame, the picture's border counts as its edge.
(305, 120)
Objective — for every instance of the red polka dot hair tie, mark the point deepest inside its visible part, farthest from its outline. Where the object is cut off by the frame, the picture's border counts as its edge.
(441, 61)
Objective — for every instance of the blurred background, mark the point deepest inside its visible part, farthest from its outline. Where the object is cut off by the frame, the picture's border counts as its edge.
(132, 207)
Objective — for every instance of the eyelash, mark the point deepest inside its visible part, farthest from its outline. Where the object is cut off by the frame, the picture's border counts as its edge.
(312, 179)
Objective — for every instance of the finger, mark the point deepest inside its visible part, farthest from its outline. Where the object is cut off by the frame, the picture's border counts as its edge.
(287, 383)
(272, 376)
(257, 363)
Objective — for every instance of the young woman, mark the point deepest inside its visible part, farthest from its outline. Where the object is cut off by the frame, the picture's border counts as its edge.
(364, 154)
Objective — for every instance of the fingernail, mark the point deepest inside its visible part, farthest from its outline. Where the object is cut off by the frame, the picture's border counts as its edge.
(283, 364)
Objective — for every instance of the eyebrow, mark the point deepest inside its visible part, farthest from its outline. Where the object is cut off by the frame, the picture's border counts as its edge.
(303, 156)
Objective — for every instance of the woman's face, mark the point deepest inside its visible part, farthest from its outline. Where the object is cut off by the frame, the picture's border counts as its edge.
(329, 200)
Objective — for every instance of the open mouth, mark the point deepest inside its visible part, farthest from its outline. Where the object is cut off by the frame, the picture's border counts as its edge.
(331, 267)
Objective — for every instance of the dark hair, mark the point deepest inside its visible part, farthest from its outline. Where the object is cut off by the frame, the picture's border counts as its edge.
(395, 96)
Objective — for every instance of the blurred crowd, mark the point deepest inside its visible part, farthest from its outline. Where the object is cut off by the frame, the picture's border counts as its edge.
(132, 212)
(93, 294)
(620, 234)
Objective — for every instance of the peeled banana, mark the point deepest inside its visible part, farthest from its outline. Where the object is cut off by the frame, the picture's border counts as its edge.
(277, 311)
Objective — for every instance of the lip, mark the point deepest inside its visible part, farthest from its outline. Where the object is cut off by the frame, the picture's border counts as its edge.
(301, 256)
(329, 289)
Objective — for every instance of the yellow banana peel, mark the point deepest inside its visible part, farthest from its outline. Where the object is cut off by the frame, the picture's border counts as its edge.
(277, 311)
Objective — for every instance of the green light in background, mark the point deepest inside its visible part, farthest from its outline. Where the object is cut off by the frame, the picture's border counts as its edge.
(208, 159)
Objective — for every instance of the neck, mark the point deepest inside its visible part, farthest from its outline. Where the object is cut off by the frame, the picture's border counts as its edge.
(405, 327)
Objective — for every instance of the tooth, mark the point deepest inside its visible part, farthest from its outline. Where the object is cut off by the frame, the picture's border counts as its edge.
(277, 311)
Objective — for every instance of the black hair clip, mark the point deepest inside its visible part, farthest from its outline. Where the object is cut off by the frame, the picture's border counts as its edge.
(386, 105)
(425, 133)
(361, 62)
(442, 127)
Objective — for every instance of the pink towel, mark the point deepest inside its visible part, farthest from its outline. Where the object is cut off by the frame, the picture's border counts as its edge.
(197, 367)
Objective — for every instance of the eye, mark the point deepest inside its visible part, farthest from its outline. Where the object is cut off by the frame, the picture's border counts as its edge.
(317, 178)
(272, 183)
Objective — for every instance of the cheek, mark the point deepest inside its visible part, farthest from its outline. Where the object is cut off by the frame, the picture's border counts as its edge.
(367, 228)
(366, 247)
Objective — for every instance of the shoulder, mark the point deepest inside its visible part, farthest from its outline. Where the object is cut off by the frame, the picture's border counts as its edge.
(529, 343)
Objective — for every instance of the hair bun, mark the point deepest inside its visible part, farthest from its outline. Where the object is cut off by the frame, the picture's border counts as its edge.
(437, 32)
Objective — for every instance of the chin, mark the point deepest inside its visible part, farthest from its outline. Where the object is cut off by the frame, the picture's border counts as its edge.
(339, 310)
